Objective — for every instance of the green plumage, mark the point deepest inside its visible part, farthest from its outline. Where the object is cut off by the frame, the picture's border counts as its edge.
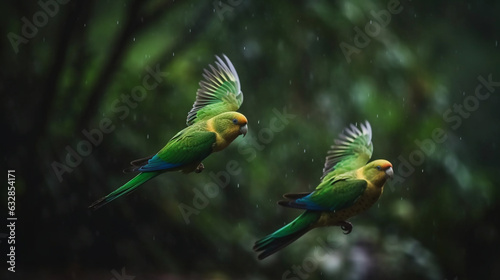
(213, 124)
(130, 186)
(348, 187)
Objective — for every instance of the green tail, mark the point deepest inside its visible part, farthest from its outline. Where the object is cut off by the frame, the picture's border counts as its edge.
(286, 235)
(131, 185)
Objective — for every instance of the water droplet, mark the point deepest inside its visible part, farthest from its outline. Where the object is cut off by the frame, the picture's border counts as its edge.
(238, 185)
(371, 22)
(304, 151)
(422, 171)
(147, 136)
(290, 82)
(173, 54)
(117, 22)
(258, 121)
(312, 160)
(257, 206)
(377, 116)
(84, 25)
(133, 39)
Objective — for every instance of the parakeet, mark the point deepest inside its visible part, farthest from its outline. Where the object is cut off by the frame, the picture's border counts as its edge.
(349, 186)
(213, 124)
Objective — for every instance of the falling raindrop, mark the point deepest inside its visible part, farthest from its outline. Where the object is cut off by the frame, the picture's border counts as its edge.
(258, 121)
(84, 25)
(173, 54)
(371, 22)
(377, 116)
(147, 136)
(496, 43)
(312, 160)
(133, 39)
(189, 30)
(257, 206)
(238, 185)
(422, 171)
(117, 22)
(304, 151)
(290, 82)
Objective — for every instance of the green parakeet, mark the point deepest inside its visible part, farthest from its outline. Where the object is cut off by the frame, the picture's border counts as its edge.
(213, 124)
(349, 186)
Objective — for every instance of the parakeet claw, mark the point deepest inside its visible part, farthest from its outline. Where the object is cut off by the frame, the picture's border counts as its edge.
(346, 227)
(199, 168)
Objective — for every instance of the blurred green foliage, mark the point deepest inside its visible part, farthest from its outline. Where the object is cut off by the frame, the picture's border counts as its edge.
(438, 221)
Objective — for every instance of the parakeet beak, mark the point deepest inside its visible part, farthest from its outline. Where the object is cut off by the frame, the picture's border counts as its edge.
(244, 130)
(389, 172)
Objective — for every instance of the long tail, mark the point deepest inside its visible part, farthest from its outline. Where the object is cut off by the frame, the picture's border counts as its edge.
(131, 185)
(286, 235)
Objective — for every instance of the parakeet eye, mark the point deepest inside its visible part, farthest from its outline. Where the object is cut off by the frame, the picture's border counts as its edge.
(235, 121)
(379, 168)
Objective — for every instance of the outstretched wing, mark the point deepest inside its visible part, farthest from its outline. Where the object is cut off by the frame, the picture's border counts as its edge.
(219, 92)
(351, 150)
(328, 196)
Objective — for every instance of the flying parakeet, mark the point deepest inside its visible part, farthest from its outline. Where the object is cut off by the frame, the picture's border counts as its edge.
(348, 187)
(213, 124)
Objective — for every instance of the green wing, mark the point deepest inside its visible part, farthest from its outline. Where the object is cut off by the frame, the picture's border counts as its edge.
(219, 92)
(188, 146)
(352, 150)
(329, 196)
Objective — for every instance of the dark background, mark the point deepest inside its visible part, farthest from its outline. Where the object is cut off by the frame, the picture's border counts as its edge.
(414, 78)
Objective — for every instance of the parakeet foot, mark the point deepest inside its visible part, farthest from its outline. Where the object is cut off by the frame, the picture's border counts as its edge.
(199, 168)
(346, 226)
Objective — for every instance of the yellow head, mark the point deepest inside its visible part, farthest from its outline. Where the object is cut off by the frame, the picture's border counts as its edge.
(228, 126)
(378, 171)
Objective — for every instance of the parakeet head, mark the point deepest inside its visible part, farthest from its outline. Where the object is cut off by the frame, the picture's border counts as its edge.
(228, 126)
(378, 171)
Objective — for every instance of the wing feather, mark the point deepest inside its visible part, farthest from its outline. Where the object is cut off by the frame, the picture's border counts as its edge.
(329, 196)
(351, 150)
(219, 92)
